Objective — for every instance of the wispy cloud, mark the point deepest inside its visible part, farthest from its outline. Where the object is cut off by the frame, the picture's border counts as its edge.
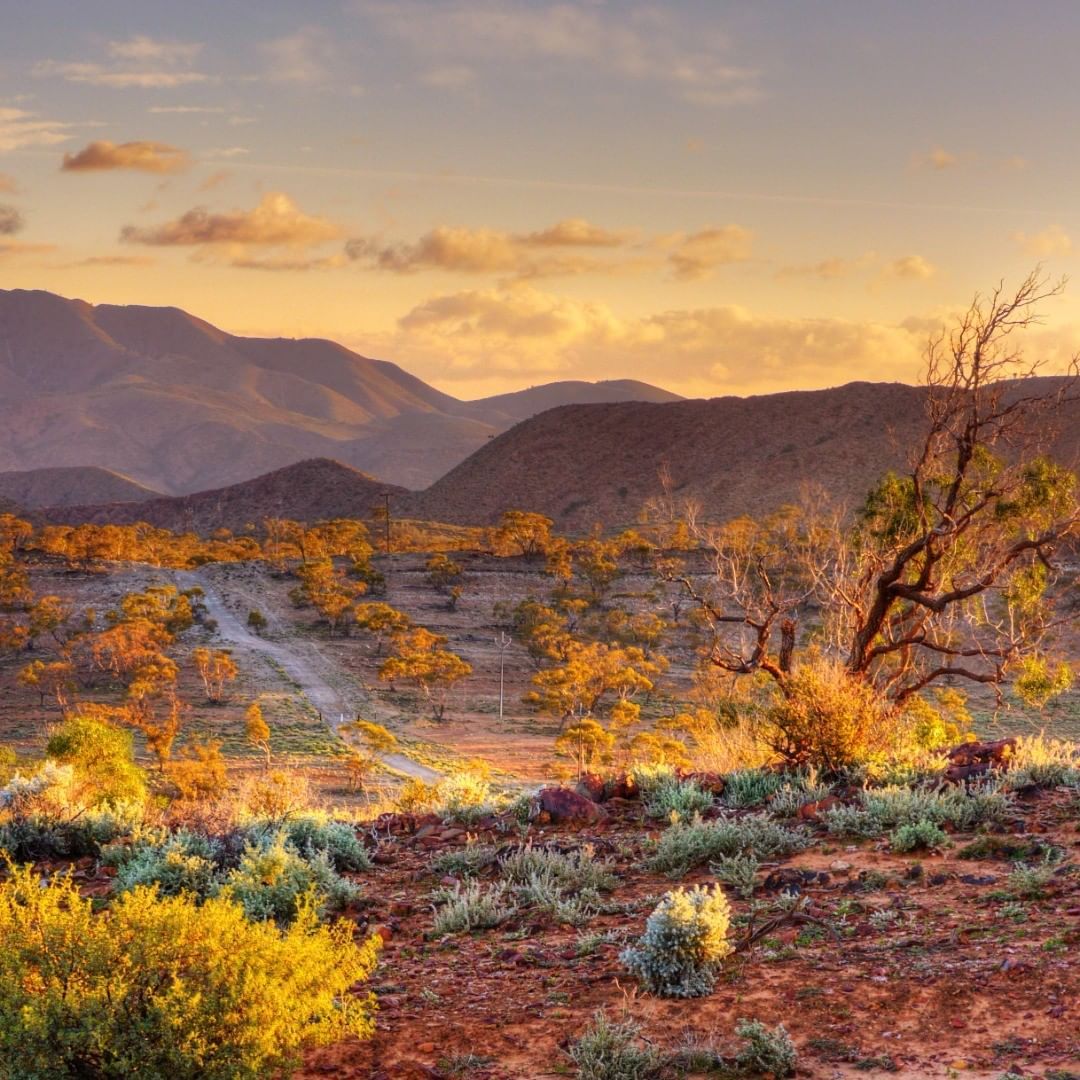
(645, 44)
(151, 157)
(1049, 242)
(20, 128)
(8, 184)
(138, 62)
(181, 110)
(303, 57)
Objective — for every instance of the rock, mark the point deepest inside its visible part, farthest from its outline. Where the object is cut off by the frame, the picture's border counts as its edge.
(561, 806)
(383, 931)
(711, 782)
(994, 754)
(592, 786)
(839, 866)
(426, 1048)
(812, 811)
(623, 787)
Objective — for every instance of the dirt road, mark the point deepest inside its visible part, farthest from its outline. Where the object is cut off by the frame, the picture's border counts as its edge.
(326, 687)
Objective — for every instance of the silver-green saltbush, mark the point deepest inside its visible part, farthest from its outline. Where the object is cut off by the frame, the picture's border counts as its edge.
(684, 943)
(688, 844)
(472, 907)
(768, 1052)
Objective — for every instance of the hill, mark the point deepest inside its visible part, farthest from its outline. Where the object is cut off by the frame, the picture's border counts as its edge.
(68, 486)
(580, 464)
(308, 491)
(179, 406)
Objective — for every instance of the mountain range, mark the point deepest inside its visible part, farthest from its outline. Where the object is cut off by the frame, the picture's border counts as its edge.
(179, 406)
(152, 397)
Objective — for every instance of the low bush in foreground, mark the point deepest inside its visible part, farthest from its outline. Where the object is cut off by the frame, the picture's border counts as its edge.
(608, 1050)
(688, 844)
(161, 987)
(685, 941)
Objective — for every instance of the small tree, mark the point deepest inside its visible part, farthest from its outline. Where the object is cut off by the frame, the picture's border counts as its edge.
(584, 742)
(257, 731)
(216, 667)
(256, 620)
(375, 741)
(523, 532)
(421, 661)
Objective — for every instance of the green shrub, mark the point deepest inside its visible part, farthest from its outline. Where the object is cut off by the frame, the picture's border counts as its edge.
(684, 943)
(610, 1051)
(1042, 762)
(767, 1052)
(102, 758)
(183, 862)
(467, 861)
(163, 988)
(922, 835)
(688, 844)
(472, 907)
(738, 871)
(883, 809)
(750, 787)
(274, 881)
(571, 870)
(313, 835)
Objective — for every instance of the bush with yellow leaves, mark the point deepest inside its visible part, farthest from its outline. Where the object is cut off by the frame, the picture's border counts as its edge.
(164, 987)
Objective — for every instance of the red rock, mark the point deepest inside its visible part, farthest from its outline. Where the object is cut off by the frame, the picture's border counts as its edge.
(592, 786)
(563, 806)
(383, 931)
(812, 811)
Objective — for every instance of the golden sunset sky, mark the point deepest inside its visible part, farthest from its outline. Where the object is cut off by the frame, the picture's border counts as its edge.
(714, 197)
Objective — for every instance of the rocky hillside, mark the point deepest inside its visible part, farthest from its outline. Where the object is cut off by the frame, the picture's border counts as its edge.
(308, 491)
(37, 488)
(586, 463)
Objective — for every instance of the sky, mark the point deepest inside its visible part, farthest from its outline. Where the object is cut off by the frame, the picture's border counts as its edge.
(718, 198)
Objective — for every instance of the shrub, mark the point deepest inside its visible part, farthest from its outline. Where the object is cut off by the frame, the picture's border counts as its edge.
(828, 719)
(685, 941)
(273, 881)
(464, 862)
(750, 787)
(183, 862)
(610, 1051)
(766, 1052)
(669, 798)
(472, 907)
(738, 871)
(566, 886)
(161, 987)
(102, 758)
(688, 844)
(200, 773)
(1042, 762)
(315, 834)
(888, 808)
(571, 870)
(920, 835)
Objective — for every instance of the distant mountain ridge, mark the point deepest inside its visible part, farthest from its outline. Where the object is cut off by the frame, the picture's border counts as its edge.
(584, 464)
(34, 489)
(307, 491)
(178, 405)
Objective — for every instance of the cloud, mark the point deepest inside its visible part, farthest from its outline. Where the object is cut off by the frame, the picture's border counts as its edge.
(17, 247)
(485, 251)
(1051, 241)
(643, 44)
(184, 109)
(19, 129)
(11, 221)
(830, 269)
(8, 186)
(453, 77)
(911, 268)
(137, 62)
(938, 159)
(288, 262)
(215, 180)
(694, 256)
(276, 221)
(114, 260)
(151, 157)
(303, 57)
(525, 331)
(142, 49)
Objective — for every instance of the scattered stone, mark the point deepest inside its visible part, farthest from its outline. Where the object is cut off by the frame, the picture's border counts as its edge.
(561, 806)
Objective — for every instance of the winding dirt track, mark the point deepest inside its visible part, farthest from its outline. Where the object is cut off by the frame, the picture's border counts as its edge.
(304, 663)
